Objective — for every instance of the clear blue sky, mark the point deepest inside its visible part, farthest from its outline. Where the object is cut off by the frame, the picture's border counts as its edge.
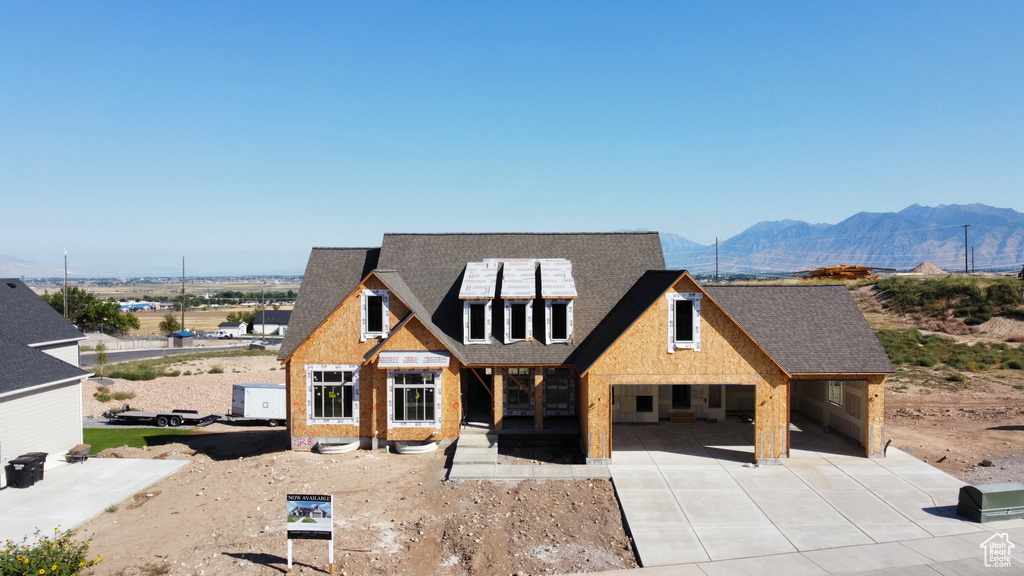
(240, 135)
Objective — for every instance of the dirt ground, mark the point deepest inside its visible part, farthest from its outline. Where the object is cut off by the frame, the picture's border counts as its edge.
(224, 512)
(974, 429)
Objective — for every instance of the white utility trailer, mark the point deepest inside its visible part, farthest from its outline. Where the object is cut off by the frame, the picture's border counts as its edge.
(259, 402)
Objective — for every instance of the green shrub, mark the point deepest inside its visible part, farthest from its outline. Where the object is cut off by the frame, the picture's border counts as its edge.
(123, 395)
(60, 554)
(926, 361)
(1015, 365)
(102, 396)
(955, 377)
(173, 373)
(216, 369)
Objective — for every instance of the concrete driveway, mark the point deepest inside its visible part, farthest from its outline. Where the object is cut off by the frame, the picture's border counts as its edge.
(71, 494)
(691, 496)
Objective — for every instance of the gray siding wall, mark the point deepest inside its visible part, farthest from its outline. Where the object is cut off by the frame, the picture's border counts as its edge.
(66, 352)
(47, 420)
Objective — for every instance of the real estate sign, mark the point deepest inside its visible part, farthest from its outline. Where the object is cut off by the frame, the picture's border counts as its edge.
(310, 517)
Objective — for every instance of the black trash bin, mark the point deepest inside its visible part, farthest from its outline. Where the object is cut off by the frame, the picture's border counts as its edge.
(40, 459)
(21, 472)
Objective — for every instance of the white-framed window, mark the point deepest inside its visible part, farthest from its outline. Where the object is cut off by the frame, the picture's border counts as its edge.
(332, 394)
(518, 395)
(518, 320)
(835, 392)
(376, 320)
(476, 322)
(414, 399)
(558, 321)
(684, 321)
(558, 392)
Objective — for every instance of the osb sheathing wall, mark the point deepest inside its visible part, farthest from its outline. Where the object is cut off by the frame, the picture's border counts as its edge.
(336, 341)
(874, 428)
(727, 356)
(415, 337)
(870, 421)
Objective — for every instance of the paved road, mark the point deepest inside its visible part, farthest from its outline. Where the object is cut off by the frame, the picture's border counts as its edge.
(88, 359)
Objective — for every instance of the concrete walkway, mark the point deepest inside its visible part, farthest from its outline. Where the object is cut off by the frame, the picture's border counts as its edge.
(71, 494)
(476, 458)
(694, 505)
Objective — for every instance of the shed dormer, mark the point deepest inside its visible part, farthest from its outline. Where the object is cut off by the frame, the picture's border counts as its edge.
(476, 293)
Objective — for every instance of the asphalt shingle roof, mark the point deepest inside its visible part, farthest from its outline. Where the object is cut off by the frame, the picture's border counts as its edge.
(27, 318)
(604, 267)
(331, 275)
(816, 329)
(23, 367)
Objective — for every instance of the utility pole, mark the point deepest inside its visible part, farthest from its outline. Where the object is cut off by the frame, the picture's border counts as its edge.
(65, 283)
(183, 293)
(716, 259)
(965, 227)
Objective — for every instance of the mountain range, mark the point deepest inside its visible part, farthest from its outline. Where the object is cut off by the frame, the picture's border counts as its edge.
(900, 240)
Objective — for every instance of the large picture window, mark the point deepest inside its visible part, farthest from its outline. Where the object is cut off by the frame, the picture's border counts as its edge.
(415, 398)
(332, 393)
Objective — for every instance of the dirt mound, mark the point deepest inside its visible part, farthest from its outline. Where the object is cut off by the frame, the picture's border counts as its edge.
(928, 269)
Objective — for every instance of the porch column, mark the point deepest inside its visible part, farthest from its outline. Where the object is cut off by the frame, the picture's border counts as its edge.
(874, 417)
(771, 419)
(538, 399)
(498, 384)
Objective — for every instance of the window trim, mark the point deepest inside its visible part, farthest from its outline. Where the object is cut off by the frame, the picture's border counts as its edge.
(528, 303)
(549, 320)
(354, 369)
(488, 321)
(674, 298)
(364, 332)
(438, 401)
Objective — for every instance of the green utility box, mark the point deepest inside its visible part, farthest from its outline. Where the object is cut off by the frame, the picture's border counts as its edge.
(991, 502)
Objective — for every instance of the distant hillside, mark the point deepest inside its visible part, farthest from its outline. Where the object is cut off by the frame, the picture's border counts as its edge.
(899, 240)
(11, 267)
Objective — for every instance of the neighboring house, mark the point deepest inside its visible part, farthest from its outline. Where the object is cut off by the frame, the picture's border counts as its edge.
(234, 329)
(271, 322)
(40, 381)
(554, 330)
(182, 339)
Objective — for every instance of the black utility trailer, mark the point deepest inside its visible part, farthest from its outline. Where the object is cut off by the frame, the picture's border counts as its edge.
(161, 419)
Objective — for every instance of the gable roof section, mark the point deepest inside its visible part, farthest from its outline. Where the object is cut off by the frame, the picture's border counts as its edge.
(604, 266)
(27, 318)
(331, 275)
(22, 367)
(647, 290)
(815, 329)
(272, 317)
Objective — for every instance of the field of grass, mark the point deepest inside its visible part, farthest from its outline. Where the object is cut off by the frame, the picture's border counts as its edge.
(976, 300)
(103, 438)
(932, 351)
(157, 367)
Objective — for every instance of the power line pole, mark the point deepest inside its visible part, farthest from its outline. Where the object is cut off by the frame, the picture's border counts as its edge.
(183, 293)
(965, 227)
(65, 283)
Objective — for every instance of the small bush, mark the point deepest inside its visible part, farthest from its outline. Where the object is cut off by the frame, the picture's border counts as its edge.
(111, 509)
(102, 396)
(1015, 365)
(926, 361)
(123, 395)
(173, 373)
(186, 373)
(60, 554)
(216, 369)
(103, 389)
(955, 377)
